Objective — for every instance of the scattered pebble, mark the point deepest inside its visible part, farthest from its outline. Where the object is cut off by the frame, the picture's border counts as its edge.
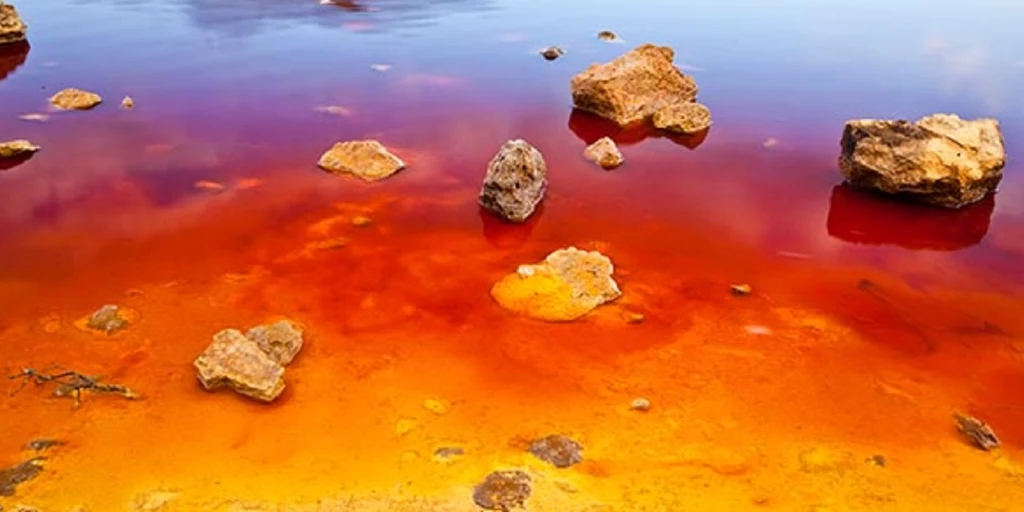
(607, 35)
(605, 153)
(741, 290)
(127, 103)
(640, 404)
(361, 221)
(557, 450)
(977, 431)
(75, 99)
(552, 52)
(503, 490)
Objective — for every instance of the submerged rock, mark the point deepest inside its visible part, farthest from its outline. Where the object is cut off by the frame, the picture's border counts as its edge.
(685, 118)
(552, 52)
(605, 153)
(75, 99)
(367, 159)
(557, 450)
(633, 86)
(12, 29)
(234, 361)
(607, 35)
(940, 159)
(107, 319)
(281, 341)
(568, 284)
(17, 149)
(640, 404)
(516, 181)
(11, 478)
(503, 490)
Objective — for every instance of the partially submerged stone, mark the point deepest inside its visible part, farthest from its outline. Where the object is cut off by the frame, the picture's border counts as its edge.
(281, 341)
(127, 103)
(516, 181)
(607, 35)
(977, 431)
(75, 99)
(940, 159)
(503, 490)
(552, 52)
(684, 118)
(557, 450)
(367, 159)
(234, 361)
(633, 86)
(17, 149)
(12, 29)
(568, 284)
(741, 290)
(108, 319)
(605, 153)
(11, 478)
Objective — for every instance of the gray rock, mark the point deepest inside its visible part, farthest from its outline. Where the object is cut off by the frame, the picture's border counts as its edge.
(234, 361)
(107, 319)
(503, 490)
(281, 341)
(557, 450)
(516, 181)
(12, 29)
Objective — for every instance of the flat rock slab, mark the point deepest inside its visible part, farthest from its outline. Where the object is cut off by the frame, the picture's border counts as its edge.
(941, 159)
(75, 99)
(281, 341)
(567, 285)
(605, 153)
(235, 361)
(367, 159)
(516, 181)
(503, 490)
(17, 149)
(684, 118)
(12, 29)
(633, 86)
(557, 450)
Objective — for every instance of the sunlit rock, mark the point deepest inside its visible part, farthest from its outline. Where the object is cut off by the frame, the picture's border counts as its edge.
(516, 181)
(557, 450)
(75, 99)
(503, 490)
(568, 284)
(940, 159)
(605, 153)
(552, 52)
(684, 118)
(367, 159)
(127, 103)
(234, 361)
(17, 149)
(12, 29)
(282, 341)
(633, 86)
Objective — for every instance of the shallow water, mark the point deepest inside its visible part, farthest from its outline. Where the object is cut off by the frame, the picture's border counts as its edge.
(870, 324)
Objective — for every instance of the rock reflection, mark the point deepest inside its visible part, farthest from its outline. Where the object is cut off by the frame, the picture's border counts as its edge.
(589, 128)
(12, 56)
(866, 218)
(506, 235)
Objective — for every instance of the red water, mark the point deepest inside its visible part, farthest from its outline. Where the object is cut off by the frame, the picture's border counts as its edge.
(870, 324)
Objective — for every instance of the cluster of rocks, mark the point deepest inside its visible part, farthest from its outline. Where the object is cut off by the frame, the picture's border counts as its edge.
(252, 364)
(509, 489)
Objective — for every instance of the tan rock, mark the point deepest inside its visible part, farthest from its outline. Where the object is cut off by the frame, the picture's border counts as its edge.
(516, 181)
(633, 86)
(75, 99)
(605, 153)
(686, 118)
(367, 159)
(234, 361)
(127, 103)
(568, 284)
(12, 29)
(941, 159)
(282, 341)
(16, 149)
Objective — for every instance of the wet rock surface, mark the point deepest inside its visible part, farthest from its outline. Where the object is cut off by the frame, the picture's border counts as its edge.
(11, 478)
(941, 159)
(41, 445)
(12, 28)
(234, 361)
(557, 450)
(503, 490)
(19, 148)
(367, 159)
(75, 99)
(516, 181)
(568, 284)
(552, 52)
(127, 103)
(633, 86)
(977, 431)
(281, 341)
(683, 118)
(605, 153)
(107, 319)
(607, 35)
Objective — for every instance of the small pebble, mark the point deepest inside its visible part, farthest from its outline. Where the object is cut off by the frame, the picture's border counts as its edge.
(127, 102)
(607, 35)
(640, 404)
(741, 290)
(361, 221)
(552, 52)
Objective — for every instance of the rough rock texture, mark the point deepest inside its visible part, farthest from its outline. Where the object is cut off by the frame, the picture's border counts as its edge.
(633, 86)
(367, 159)
(281, 341)
(17, 148)
(75, 99)
(107, 319)
(605, 153)
(503, 490)
(940, 159)
(516, 181)
(568, 284)
(559, 451)
(684, 118)
(237, 362)
(11, 478)
(12, 29)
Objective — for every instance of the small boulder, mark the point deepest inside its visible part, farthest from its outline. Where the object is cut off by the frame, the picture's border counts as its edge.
(684, 118)
(557, 450)
(75, 99)
(12, 29)
(367, 159)
(940, 159)
(516, 181)
(607, 35)
(108, 319)
(568, 284)
(281, 341)
(503, 490)
(633, 86)
(234, 361)
(552, 52)
(17, 149)
(605, 153)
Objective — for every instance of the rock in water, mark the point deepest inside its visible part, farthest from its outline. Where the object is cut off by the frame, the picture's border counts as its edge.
(633, 86)
(605, 153)
(503, 490)
(940, 159)
(568, 284)
(107, 319)
(237, 362)
(12, 29)
(516, 181)
(685, 118)
(281, 341)
(559, 451)
(367, 159)
(75, 99)
(17, 149)
(552, 52)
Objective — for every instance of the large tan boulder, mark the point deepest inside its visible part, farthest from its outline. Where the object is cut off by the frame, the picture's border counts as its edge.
(940, 159)
(12, 29)
(633, 86)
(516, 181)
(367, 159)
